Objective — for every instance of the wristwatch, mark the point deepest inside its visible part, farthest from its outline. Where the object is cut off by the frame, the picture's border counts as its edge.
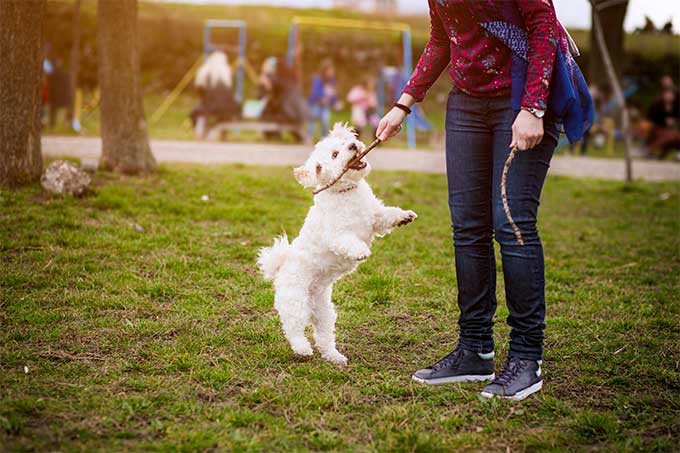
(536, 112)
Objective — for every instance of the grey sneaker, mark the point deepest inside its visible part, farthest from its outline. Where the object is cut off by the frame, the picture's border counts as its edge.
(519, 379)
(460, 365)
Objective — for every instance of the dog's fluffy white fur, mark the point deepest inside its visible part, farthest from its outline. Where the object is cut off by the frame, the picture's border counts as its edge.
(334, 239)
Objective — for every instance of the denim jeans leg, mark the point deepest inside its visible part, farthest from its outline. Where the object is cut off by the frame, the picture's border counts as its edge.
(523, 266)
(469, 165)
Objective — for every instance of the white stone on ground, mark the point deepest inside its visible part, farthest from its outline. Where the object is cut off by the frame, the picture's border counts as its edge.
(63, 177)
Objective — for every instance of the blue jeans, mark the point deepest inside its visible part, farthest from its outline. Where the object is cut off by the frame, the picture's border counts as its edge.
(478, 135)
(319, 113)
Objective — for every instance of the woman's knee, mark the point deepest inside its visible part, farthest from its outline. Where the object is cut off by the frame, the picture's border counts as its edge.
(524, 219)
(468, 234)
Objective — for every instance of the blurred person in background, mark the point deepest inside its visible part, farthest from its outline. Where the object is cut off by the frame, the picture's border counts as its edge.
(285, 100)
(265, 83)
(323, 97)
(364, 101)
(58, 92)
(664, 115)
(265, 89)
(214, 84)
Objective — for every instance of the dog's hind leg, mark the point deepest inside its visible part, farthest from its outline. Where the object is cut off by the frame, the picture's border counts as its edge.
(323, 321)
(293, 306)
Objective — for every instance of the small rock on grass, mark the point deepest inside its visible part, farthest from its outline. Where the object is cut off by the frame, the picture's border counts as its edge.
(63, 177)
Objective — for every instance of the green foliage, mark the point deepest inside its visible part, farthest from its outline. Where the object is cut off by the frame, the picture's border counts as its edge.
(166, 339)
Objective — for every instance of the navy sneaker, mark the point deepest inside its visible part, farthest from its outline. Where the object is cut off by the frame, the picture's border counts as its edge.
(519, 379)
(460, 365)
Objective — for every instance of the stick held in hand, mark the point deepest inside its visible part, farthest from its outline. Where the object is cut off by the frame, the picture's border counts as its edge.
(504, 195)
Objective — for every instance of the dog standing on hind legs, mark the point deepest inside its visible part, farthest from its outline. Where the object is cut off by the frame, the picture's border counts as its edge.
(334, 239)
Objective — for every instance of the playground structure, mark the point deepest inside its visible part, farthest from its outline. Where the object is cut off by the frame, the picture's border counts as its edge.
(293, 58)
(390, 79)
(241, 67)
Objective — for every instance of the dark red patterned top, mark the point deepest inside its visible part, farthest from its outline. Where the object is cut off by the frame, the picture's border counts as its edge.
(480, 63)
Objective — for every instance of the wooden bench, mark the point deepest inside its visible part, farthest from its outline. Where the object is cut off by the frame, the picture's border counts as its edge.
(215, 133)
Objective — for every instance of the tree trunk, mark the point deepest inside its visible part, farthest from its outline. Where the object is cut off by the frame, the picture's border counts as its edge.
(75, 58)
(125, 143)
(21, 75)
(611, 14)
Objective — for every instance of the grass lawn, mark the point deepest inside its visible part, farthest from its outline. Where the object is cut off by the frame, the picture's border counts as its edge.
(166, 339)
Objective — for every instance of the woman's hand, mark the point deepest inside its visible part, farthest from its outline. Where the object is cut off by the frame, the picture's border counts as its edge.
(390, 124)
(527, 131)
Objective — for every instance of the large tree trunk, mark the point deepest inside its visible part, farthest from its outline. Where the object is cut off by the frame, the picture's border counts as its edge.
(612, 13)
(21, 55)
(125, 144)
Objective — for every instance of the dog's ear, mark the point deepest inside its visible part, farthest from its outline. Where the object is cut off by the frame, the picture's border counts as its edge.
(306, 177)
(343, 131)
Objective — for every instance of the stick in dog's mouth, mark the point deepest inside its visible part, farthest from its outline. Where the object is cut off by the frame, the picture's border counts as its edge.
(356, 160)
(358, 165)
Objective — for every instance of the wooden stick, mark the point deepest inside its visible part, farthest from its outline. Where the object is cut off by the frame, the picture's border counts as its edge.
(354, 160)
(504, 195)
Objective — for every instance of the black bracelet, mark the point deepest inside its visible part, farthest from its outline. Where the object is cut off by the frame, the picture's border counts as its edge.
(403, 107)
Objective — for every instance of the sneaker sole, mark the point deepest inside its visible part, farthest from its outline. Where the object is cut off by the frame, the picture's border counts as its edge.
(519, 396)
(453, 379)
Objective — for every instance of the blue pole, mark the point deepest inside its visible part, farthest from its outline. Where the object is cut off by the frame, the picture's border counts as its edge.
(380, 93)
(290, 55)
(206, 39)
(241, 62)
(408, 68)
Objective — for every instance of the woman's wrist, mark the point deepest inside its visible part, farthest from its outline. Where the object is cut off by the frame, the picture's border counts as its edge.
(406, 100)
(404, 108)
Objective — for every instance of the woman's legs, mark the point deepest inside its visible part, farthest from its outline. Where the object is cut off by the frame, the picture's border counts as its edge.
(523, 266)
(469, 165)
(325, 120)
(314, 116)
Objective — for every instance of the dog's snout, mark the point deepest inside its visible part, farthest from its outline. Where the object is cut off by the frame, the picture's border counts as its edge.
(353, 147)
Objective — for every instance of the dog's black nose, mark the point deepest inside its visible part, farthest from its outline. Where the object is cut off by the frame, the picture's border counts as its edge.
(353, 147)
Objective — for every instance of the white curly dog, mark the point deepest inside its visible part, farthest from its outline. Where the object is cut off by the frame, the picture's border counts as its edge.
(334, 239)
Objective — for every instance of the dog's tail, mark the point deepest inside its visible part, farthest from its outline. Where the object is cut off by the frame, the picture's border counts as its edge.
(270, 259)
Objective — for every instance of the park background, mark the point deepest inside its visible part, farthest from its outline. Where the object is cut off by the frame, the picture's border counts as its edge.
(171, 39)
(133, 317)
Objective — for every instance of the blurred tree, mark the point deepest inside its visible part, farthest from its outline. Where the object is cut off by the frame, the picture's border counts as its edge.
(21, 75)
(75, 57)
(125, 142)
(612, 14)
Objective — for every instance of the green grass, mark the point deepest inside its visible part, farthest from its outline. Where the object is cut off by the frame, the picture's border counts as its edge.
(167, 340)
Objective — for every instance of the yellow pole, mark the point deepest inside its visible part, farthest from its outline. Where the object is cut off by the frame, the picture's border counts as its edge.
(351, 23)
(174, 94)
(252, 73)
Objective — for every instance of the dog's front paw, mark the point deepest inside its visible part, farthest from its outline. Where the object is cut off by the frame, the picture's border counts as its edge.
(335, 357)
(408, 217)
(361, 256)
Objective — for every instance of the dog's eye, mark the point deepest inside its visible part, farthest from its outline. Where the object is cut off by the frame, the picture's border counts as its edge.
(334, 155)
(353, 147)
